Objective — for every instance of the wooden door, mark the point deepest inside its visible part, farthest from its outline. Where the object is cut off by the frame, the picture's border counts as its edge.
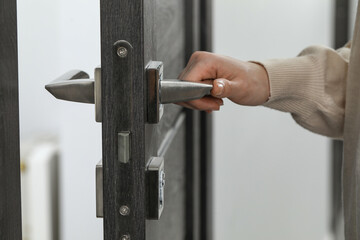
(133, 33)
(10, 203)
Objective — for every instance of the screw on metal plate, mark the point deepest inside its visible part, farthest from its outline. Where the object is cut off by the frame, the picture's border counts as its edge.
(162, 178)
(161, 187)
(125, 237)
(122, 52)
(124, 210)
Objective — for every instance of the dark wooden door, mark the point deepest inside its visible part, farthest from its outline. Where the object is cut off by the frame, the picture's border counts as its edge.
(133, 33)
(10, 203)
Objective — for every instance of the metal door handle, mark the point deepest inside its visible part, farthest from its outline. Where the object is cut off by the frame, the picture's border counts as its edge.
(76, 86)
(73, 86)
(174, 90)
(162, 91)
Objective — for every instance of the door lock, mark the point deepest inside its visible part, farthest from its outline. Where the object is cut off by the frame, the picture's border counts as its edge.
(155, 189)
(155, 176)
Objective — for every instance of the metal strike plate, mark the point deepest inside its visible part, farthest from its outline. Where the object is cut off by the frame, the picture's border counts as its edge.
(155, 174)
(162, 91)
(99, 190)
(97, 92)
(124, 146)
(76, 86)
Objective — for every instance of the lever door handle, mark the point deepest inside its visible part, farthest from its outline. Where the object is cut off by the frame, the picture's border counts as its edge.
(174, 90)
(161, 91)
(76, 86)
(73, 86)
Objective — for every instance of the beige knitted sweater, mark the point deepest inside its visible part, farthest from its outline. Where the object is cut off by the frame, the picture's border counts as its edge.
(321, 89)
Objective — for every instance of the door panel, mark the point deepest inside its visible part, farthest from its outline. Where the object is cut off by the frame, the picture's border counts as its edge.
(156, 133)
(172, 221)
(166, 42)
(161, 30)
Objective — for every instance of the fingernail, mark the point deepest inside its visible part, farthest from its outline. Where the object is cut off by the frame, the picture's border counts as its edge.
(221, 88)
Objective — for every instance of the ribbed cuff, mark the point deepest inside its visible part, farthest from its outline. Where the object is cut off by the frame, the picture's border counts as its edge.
(293, 81)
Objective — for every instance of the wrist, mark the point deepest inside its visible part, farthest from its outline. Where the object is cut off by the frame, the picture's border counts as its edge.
(261, 79)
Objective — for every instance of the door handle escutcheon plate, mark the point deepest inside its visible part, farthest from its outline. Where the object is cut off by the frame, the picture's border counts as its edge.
(162, 91)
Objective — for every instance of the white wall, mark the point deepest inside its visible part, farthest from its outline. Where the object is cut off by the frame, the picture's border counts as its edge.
(54, 37)
(271, 175)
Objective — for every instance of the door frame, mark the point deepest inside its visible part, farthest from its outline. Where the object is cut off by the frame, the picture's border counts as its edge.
(10, 197)
(341, 37)
(206, 134)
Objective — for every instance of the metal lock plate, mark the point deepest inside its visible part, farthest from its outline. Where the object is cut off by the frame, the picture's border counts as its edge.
(162, 91)
(154, 74)
(97, 93)
(99, 190)
(124, 146)
(155, 174)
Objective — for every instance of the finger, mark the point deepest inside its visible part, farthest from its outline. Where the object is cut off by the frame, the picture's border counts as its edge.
(195, 103)
(204, 66)
(192, 61)
(222, 88)
(211, 82)
(204, 104)
(185, 104)
(196, 106)
(207, 81)
(217, 100)
(186, 69)
(200, 71)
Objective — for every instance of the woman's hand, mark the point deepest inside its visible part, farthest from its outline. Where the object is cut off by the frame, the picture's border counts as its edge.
(244, 83)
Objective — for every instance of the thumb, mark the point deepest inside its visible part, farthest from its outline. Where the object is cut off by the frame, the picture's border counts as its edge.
(222, 88)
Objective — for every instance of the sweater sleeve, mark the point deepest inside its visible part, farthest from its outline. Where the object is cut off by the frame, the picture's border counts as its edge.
(311, 87)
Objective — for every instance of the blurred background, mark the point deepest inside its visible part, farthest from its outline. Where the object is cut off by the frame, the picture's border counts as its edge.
(271, 177)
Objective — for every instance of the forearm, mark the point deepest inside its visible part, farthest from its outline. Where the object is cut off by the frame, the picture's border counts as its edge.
(311, 87)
